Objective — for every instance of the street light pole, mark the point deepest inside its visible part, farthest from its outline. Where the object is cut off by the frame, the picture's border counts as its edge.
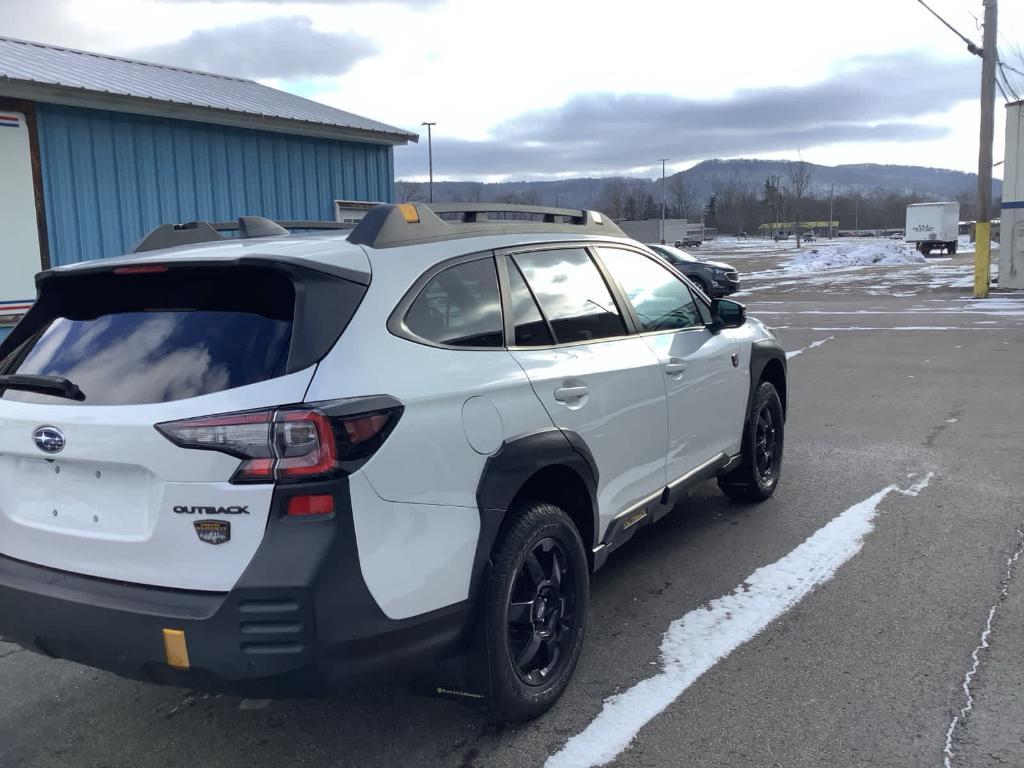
(430, 156)
(663, 161)
(831, 198)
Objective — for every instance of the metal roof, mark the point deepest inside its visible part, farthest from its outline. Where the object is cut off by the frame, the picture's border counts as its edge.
(49, 73)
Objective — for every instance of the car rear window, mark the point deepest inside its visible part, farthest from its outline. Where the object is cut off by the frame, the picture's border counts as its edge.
(153, 338)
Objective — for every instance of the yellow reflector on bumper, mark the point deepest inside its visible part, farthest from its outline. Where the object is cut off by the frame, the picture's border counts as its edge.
(409, 212)
(175, 648)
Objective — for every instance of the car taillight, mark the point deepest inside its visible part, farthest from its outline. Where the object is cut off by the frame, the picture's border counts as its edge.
(287, 444)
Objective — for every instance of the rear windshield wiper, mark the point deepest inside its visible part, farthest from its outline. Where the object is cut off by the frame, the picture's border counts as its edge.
(43, 385)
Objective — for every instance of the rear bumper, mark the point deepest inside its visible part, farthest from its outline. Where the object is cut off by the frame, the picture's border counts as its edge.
(299, 622)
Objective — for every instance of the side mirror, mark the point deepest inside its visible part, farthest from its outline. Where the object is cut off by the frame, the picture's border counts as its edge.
(726, 313)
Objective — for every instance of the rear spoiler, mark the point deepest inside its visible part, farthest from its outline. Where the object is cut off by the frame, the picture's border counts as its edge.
(194, 232)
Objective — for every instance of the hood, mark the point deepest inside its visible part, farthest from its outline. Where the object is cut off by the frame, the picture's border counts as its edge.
(720, 265)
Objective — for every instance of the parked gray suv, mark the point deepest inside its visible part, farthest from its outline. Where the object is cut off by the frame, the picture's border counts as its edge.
(715, 278)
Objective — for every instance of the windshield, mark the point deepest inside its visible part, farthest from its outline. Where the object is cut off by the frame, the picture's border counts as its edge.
(674, 254)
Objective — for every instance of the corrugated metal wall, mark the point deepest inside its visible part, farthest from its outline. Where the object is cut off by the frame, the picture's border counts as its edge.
(110, 177)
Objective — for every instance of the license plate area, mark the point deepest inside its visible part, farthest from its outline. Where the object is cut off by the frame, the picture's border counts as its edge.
(79, 498)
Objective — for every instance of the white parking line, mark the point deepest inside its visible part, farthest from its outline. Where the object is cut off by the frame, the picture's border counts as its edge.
(700, 639)
(812, 345)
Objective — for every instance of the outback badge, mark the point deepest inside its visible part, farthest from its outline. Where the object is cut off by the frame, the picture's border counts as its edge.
(213, 531)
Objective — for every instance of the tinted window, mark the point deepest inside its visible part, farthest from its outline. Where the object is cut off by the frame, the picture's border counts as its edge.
(572, 294)
(128, 340)
(155, 357)
(460, 307)
(661, 300)
(531, 330)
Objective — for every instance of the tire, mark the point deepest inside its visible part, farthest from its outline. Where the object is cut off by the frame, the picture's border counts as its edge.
(760, 468)
(533, 617)
(703, 285)
(951, 249)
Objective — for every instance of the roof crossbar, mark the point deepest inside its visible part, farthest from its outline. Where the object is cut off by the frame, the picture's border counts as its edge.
(194, 232)
(388, 226)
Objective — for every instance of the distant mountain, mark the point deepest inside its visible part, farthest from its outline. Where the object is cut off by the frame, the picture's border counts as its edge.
(713, 176)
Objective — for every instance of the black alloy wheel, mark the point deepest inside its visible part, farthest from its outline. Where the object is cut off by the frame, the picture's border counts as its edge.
(766, 445)
(541, 613)
(538, 590)
(757, 476)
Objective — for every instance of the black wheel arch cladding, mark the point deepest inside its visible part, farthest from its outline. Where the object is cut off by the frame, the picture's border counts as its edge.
(507, 472)
(768, 363)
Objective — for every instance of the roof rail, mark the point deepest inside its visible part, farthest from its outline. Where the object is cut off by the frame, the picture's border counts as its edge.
(387, 226)
(193, 232)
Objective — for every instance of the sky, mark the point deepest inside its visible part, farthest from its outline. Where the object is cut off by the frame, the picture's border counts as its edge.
(540, 89)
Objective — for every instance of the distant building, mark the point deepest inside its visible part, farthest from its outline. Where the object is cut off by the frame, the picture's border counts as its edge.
(1011, 241)
(783, 228)
(97, 150)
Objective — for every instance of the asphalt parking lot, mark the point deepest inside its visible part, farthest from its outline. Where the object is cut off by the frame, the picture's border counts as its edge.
(895, 373)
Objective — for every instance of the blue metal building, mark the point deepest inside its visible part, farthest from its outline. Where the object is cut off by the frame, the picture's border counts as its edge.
(114, 147)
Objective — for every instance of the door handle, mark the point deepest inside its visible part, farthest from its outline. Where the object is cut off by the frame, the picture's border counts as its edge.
(569, 394)
(674, 367)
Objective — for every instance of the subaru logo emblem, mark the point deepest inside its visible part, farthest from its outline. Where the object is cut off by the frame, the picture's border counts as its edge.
(49, 439)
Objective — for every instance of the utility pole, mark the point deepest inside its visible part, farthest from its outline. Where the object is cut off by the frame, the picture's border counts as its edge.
(831, 198)
(663, 161)
(430, 156)
(982, 231)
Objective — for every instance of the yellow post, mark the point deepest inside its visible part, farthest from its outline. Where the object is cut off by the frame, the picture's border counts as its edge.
(982, 257)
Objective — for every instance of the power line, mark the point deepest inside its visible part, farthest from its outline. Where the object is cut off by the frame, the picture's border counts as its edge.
(970, 45)
(1006, 82)
(1000, 87)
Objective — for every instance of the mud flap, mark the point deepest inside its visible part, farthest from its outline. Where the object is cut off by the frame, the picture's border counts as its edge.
(465, 676)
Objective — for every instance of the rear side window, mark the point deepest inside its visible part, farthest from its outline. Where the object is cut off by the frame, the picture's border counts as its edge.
(531, 329)
(660, 299)
(154, 338)
(459, 307)
(572, 294)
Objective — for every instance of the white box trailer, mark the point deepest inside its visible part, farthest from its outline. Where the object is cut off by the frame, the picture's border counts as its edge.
(1011, 225)
(19, 256)
(933, 226)
(690, 233)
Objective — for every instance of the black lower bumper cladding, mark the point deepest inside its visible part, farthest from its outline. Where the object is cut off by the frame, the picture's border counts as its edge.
(300, 621)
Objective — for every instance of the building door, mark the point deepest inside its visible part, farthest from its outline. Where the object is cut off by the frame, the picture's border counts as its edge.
(19, 241)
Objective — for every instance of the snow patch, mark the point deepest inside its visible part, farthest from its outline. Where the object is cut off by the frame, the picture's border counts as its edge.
(833, 256)
(696, 642)
(812, 345)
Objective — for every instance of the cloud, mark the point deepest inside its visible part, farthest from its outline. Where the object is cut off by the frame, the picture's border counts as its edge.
(863, 100)
(282, 47)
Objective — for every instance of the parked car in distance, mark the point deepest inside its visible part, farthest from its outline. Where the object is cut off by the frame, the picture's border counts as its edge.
(690, 241)
(401, 449)
(808, 237)
(715, 278)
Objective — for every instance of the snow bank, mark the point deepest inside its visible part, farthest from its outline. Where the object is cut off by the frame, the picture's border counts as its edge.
(964, 245)
(843, 255)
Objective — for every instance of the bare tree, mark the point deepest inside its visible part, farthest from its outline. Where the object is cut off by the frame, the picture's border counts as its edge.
(409, 192)
(799, 186)
(613, 199)
(680, 196)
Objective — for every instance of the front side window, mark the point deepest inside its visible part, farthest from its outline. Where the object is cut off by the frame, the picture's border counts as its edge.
(572, 294)
(459, 307)
(660, 299)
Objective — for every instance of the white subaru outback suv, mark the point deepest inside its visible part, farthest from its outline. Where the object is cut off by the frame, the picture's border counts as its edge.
(276, 463)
